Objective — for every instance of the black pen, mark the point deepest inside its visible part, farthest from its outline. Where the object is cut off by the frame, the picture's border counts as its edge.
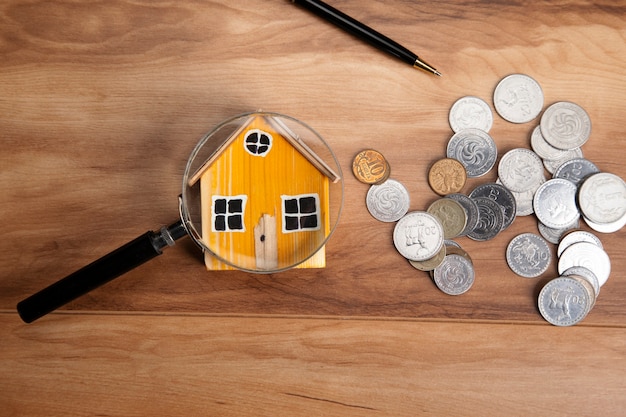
(366, 33)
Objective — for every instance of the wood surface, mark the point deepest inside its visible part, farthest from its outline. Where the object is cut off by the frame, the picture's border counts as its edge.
(101, 104)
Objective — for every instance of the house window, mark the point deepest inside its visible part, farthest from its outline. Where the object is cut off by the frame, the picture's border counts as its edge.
(228, 213)
(258, 142)
(301, 212)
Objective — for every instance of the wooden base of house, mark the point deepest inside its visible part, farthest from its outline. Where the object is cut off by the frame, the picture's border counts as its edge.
(316, 261)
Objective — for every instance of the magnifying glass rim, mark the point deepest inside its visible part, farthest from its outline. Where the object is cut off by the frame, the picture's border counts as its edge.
(186, 217)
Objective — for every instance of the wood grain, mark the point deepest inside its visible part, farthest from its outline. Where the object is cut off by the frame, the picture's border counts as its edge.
(169, 365)
(102, 102)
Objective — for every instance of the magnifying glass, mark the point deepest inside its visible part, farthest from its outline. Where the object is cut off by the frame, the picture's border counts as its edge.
(262, 192)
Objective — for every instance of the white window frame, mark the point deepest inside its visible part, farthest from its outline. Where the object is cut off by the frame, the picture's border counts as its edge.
(258, 132)
(299, 215)
(228, 198)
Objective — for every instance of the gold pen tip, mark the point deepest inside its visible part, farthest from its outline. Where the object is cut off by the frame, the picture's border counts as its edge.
(426, 67)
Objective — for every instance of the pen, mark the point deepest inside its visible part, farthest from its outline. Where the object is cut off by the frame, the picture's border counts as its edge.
(366, 33)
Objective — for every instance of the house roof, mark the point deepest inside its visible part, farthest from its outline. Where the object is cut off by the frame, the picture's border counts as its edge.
(292, 138)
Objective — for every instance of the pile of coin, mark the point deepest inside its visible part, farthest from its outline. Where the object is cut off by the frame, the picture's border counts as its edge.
(577, 189)
(424, 237)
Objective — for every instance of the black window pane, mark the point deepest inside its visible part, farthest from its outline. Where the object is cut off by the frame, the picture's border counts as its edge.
(252, 148)
(262, 149)
(265, 140)
(252, 138)
(308, 222)
(291, 206)
(235, 206)
(307, 205)
(220, 206)
(220, 223)
(235, 222)
(291, 223)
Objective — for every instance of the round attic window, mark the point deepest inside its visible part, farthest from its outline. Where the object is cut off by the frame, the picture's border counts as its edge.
(258, 142)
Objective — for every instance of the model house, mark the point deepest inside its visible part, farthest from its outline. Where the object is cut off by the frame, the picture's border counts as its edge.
(265, 199)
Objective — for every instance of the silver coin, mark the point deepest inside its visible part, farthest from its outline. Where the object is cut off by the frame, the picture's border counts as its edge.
(576, 236)
(555, 203)
(524, 200)
(564, 301)
(471, 209)
(565, 125)
(501, 195)
(450, 242)
(542, 148)
(455, 275)
(520, 170)
(588, 255)
(576, 170)
(388, 201)
(552, 165)
(606, 227)
(553, 235)
(518, 98)
(586, 274)
(602, 198)
(470, 113)
(491, 219)
(418, 236)
(528, 255)
(475, 149)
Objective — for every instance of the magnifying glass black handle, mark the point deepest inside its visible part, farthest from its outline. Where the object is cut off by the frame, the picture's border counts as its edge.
(97, 273)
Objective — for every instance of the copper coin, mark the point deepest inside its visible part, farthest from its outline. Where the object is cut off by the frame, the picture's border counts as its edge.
(447, 176)
(370, 167)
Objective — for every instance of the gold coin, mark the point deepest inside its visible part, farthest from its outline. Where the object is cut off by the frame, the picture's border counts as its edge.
(451, 215)
(370, 167)
(432, 263)
(447, 176)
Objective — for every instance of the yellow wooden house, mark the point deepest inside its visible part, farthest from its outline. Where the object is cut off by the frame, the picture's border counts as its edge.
(265, 199)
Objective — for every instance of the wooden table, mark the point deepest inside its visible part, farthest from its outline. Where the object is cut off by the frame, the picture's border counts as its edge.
(100, 106)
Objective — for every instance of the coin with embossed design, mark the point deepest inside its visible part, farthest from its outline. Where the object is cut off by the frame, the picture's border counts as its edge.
(451, 215)
(388, 201)
(587, 275)
(555, 203)
(370, 167)
(470, 112)
(475, 149)
(565, 125)
(575, 170)
(447, 176)
(502, 196)
(602, 198)
(520, 169)
(518, 98)
(418, 236)
(528, 255)
(491, 219)
(564, 301)
(455, 275)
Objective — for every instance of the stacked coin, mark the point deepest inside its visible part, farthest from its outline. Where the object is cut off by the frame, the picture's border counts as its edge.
(584, 268)
(455, 274)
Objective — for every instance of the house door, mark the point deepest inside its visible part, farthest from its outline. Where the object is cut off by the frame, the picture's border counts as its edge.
(265, 243)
